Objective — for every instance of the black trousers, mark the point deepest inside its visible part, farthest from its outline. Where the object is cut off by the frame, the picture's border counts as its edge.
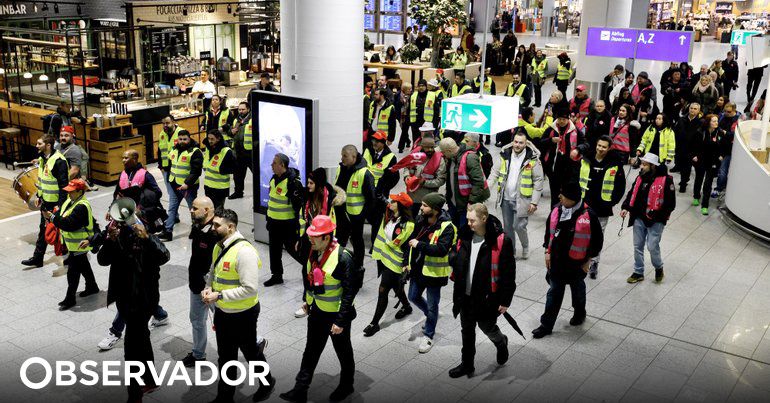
(404, 141)
(217, 196)
(40, 245)
(710, 175)
(538, 90)
(319, 325)
(390, 281)
(562, 85)
(352, 228)
(554, 184)
(685, 170)
(752, 86)
(470, 316)
(235, 331)
(242, 163)
(78, 265)
(375, 218)
(137, 346)
(416, 130)
(700, 173)
(281, 234)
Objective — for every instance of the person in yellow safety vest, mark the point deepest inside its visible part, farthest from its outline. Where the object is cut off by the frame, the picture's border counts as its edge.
(517, 88)
(166, 142)
(231, 289)
(564, 73)
(519, 187)
(459, 59)
(489, 86)
(218, 165)
(461, 86)
(424, 107)
(52, 177)
(435, 87)
(76, 222)
(286, 197)
(243, 144)
(434, 235)
(539, 69)
(659, 132)
(379, 159)
(391, 252)
(186, 167)
(217, 116)
(527, 125)
(382, 115)
(331, 280)
(603, 182)
(354, 177)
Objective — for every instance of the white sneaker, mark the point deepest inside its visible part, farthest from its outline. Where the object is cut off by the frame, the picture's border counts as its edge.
(425, 345)
(525, 253)
(158, 322)
(108, 342)
(300, 313)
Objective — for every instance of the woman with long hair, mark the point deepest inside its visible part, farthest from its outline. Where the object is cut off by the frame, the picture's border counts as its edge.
(391, 251)
(707, 158)
(623, 99)
(658, 139)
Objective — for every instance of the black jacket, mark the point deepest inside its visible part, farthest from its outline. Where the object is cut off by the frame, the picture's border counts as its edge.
(713, 147)
(296, 192)
(730, 76)
(309, 215)
(443, 247)
(639, 210)
(420, 106)
(394, 114)
(367, 187)
(593, 195)
(482, 296)
(203, 241)
(270, 87)
(486, 159)
(563, 267)
(149, 184)
(687, 131)
(211, 120)
(346, 273)
(77, 218)
(597, 125)
(134, 270)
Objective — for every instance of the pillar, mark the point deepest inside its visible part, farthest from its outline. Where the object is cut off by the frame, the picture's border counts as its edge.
(546, 27)
(321, 57)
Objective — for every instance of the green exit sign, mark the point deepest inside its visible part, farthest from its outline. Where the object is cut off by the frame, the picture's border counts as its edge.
(465, 117)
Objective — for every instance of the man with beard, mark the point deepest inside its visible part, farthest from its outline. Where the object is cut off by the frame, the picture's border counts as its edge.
(167, 139)
(379, 159)
(134, 257)
(232, 289)
(354, 177)
(423, 108)
(243, 144)
(186, 161)
(516, 87)
(382, 115)
(687, 130)
(76, 158)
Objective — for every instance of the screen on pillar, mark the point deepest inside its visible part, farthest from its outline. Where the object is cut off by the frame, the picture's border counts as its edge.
(284, 125)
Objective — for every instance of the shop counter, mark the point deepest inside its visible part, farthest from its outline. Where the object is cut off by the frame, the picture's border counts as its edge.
(747, 197)
(415, 71)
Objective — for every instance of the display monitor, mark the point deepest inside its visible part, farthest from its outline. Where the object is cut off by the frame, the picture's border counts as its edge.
(282, 124)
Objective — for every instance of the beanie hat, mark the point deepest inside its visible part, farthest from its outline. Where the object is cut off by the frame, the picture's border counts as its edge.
(434, 200)
(571, 190)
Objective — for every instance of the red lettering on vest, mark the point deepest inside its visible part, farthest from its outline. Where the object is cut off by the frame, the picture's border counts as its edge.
(355, 184)
(654, 196)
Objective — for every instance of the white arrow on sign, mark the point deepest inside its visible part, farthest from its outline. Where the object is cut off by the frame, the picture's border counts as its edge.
(478, 118)
(681, 39)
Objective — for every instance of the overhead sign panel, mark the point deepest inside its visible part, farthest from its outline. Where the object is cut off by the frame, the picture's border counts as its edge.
(488, 115)
(741, 37)
(646, 44)
(611, 42)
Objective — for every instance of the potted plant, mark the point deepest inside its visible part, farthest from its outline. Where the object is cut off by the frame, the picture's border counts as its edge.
(438, 16)
(409, 53)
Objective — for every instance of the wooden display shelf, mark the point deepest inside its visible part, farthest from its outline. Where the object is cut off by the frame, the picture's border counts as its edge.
(70, 66)
(106, 157)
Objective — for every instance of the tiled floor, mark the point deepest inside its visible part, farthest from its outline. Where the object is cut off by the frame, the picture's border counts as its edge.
(700, 335)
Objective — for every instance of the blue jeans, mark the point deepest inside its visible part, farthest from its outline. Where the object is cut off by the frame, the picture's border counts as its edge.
(650, 236)
(175, 199)
(199, 312)
(514, 224)
(118, 324)
(724, 170)
(555, 297)
(429, 308)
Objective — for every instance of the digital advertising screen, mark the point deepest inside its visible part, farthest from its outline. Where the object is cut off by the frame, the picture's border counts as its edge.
(283, 124)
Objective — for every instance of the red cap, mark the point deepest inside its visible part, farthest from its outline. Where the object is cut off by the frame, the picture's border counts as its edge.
(67, 129)
(75, 184)
(380, 135)
(581, 87)
(402, 198)
(321, 225)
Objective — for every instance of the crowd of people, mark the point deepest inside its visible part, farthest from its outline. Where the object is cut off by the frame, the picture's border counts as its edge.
(439, 230)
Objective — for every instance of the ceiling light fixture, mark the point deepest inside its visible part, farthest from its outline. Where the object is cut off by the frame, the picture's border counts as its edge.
(2, 70)
(34, 7)
(27, 75)
(56, 8)
(43, 77)
(61, 80)
(229, 9)
(45, 7)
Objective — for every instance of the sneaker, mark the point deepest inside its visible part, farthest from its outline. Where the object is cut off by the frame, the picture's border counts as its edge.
(300, 313)
(541, 332)
(166, 236)
(108, 342)
(695, 202)
(659, 275)
(88, 291)
(235, 196)
(274, 280)
(714, 194)
(593, 270)
(425, 345)
(33, 261)
(635, 278)
(592, 275)
(525, 253)
(404, 312)
(502, 351)
(577, 319)
(341, 393)
(264, 391)
(704, 210)
(371, 329)
(295, 395)
(261, 346)
(155, 322)
(461, 370)
(189, 360)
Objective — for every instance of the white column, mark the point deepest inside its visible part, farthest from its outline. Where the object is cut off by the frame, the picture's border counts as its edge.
(547, 18)
(322, 48)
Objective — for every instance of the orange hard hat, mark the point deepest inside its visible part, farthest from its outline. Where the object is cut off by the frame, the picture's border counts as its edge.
(321, 225)
(402, 198)
(380, 135)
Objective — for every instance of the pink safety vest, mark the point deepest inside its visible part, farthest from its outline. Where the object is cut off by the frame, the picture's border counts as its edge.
(495, 266)
(429, 172)
(620, 139)
(654, 196)
(582, 239)
(583, 108)
(573, 138)
(137, 180)
(463, 181)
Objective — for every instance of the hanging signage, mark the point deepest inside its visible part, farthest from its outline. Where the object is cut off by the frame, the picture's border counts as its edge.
(645, 44)
(724, 7)
(13, 9)
(488, 115)
(193, 11)
(741, 37)
(611, 42)
(109, 23)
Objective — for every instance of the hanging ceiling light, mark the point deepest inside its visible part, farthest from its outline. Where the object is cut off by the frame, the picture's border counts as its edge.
(27, 75)
(61, 80)
(79, 10)
(56, 8)
(229, 9)
(2, 70)
(184, 10)
(45, 7)
(43, 77)
(34, 7)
